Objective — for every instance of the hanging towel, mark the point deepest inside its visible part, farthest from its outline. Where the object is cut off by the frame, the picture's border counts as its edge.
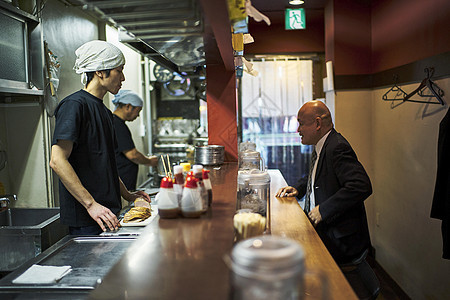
(37, 274)
(441, 201)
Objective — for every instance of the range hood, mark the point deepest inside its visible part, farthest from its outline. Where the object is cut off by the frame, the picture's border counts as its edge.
(169, 32)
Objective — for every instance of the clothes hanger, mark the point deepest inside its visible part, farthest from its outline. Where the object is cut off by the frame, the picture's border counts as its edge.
(436, 92)
(395, 93)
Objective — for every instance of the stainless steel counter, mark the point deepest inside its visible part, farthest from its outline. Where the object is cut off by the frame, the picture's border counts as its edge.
(91, 258)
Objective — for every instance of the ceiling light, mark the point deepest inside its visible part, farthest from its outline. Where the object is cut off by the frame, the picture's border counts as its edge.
(296, 2)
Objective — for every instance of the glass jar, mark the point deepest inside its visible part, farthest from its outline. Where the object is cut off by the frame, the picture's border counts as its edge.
(267, 267)
(253, 191)
(250, 159)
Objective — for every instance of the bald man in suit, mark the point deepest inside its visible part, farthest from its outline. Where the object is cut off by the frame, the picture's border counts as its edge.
(339, 186)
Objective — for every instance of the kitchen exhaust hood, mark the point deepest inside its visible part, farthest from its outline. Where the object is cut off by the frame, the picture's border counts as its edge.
(169, 32)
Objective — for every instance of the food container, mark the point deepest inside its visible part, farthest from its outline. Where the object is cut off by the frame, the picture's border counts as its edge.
(209, 155)
(250, 159)
(253, 191)
(271, 268)
(248, 224)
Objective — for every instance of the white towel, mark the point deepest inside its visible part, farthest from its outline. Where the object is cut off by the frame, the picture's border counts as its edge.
(37, 274)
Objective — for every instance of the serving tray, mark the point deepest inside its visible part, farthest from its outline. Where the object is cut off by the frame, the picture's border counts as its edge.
(145, 222)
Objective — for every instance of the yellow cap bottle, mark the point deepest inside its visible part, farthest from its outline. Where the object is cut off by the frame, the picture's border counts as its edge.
(186, 167)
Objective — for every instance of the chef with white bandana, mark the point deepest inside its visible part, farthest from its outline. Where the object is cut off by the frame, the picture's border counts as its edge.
(84, 142)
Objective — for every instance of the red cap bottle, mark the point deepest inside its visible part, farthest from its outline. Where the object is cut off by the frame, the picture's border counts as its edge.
(191, 182)
(166, 183)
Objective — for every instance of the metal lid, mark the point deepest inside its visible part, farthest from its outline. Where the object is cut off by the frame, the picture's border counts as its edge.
(264, 256)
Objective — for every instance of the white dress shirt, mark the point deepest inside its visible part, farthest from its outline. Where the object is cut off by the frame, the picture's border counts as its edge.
(318, 148)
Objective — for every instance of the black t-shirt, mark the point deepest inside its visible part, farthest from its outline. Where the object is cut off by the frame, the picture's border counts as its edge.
(83, 119)
(128, 170)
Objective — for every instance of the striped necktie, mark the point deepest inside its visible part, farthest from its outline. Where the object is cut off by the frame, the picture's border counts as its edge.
(308, 188)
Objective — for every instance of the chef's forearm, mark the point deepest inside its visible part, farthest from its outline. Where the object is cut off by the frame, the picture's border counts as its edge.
(140, 159)
(69, 178)
(124, 192)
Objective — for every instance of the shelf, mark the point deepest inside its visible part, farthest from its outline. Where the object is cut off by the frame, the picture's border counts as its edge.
(12, 91)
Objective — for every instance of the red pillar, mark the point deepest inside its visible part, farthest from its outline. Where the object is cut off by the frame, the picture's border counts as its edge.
(221, 100)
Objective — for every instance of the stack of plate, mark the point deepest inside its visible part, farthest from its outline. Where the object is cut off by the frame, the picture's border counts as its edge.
(209, 155)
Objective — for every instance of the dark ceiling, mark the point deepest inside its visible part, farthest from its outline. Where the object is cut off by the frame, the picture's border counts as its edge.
(179, 34)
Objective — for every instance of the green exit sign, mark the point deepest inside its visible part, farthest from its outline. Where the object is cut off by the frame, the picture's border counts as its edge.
(294, 19)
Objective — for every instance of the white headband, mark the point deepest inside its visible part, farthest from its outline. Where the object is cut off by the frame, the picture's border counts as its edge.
(96, 56)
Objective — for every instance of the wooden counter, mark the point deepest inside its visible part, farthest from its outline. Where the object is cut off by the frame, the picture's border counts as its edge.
(289, 220)
(183, 258)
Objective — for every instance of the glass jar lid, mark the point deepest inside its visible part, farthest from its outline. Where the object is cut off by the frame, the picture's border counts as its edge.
(264, 257)
(253, 176)
(247, 146)
(250, 154)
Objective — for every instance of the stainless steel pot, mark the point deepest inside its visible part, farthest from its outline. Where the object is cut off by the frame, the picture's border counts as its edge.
(209, 155)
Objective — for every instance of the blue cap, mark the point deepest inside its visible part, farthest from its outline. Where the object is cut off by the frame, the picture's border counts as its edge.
(128, 97)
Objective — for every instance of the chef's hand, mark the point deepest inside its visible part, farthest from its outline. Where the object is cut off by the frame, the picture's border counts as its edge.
(141, 194)
(287, 191)
(102, 215)
(153, 161)
(315, 216)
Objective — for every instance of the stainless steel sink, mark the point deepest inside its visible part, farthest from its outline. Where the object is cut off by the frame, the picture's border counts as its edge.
(26, 217)
(25, 233)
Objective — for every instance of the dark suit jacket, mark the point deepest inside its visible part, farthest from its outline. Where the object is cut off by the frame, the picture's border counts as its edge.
(440, 208)
(341, 185)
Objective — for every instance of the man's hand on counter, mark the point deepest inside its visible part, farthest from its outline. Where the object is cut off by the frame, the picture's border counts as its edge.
(287, 191)
(102, 215)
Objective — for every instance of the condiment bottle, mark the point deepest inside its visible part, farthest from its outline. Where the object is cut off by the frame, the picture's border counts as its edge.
(208, 186)
(178, 183)
(167, 199)
(198, 174)
(191, 202)
(186, 167)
